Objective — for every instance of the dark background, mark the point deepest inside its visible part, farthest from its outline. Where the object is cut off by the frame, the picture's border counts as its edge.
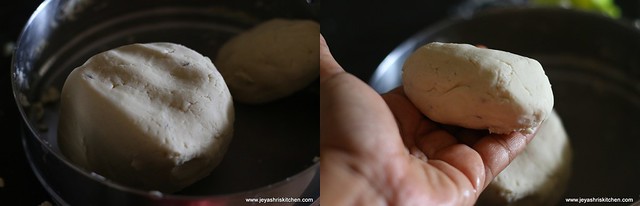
(359, 33)
(20, 185)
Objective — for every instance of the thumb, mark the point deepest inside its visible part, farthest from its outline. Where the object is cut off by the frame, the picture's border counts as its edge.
(328, 65)
(353, 117)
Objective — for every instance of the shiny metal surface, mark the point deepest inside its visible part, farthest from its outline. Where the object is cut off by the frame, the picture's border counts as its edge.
(268, 157)
(593, 63)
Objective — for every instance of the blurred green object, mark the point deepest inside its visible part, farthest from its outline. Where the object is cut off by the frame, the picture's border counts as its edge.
(607, 7)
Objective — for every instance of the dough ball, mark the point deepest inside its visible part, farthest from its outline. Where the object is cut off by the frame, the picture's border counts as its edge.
(154, 116)
(539, 175)
(477, 88)
(271, 61)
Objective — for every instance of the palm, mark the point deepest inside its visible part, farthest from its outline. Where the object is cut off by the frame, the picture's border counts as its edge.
(384, 151)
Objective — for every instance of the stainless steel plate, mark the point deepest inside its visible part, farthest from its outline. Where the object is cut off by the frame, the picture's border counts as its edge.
(593, 63)
(274, 146)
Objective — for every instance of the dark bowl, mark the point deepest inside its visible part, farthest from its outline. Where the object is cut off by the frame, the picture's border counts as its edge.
(593, 63)
(275, 145)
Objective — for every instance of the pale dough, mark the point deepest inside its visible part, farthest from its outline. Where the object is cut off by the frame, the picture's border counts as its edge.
(477, 88)
(270, 61)
(539, 175)
(154, 116)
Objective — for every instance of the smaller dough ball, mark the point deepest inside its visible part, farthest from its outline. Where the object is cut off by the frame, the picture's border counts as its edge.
(271, 61)
(539, 175)
(154, 116)
(477, 88)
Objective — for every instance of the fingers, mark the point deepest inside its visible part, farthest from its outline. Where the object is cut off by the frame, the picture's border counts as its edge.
(410, 120)
(470, 137)
(328, 65)
(406, 114)
(437, 144)
(356, 120)
(442, 145)
(497, 151)
(435, 141)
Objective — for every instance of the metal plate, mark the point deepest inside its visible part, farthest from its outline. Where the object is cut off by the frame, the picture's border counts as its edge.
(594, 67)
(274, 145)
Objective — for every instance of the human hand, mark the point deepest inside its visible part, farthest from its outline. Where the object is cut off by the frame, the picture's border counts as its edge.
(380, 150)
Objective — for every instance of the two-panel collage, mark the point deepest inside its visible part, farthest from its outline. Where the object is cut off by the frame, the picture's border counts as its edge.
(320, 102)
